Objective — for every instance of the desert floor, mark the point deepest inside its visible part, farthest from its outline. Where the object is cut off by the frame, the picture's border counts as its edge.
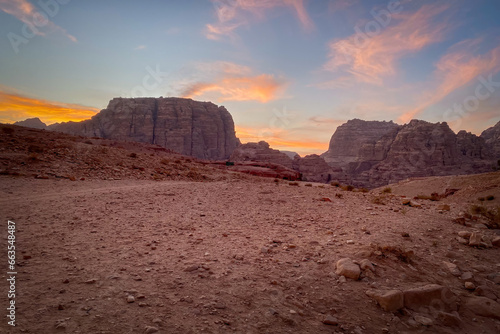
(239, 256)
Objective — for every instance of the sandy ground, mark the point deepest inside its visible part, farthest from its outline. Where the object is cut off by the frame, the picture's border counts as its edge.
(238, 256)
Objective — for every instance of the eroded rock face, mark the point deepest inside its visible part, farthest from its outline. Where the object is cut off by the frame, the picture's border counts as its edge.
(260, 152)
(492, 138)
(199, 129)
(35, 123)
(373, 154)
(314, 169)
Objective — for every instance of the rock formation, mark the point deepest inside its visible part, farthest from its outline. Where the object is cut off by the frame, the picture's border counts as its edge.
(199, 129)
(35, 123)
(492, 138)
(373, 154)
(260, 152)
(314, 169)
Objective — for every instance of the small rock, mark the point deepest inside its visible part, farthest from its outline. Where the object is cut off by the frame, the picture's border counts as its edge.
(342, 279)
(192, 268)
(475, 240)
(331, 320)
(150, 330)
(484, 307)
(452, 268)
(467, 277)
(481, 227)
(346, 267)
(390, 301)
(423, 320)
(130, 299)
(366, 264)
(470, 286)
(496, 241)
(429, 295)
(350, 242)
(293, 312)
(264, 250)
(449, 319)
(91, 281)
(462, 241)
(464, 234)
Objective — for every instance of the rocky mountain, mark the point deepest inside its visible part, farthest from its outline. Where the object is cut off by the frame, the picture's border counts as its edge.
(199, 129)
(372, 153)
(34, 123)
(492, 138)
(312, 168)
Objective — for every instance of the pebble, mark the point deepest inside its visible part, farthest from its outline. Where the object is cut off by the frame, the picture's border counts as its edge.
(150, 330)
(330, 320)
(130, 299)
(470, 286)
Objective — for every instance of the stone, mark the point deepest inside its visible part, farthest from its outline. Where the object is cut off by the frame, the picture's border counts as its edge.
(485, 291)
(483, 306)
(430, 296)
(342, 279)
(423, 320)
(130, 299)
(449, 319)
(150, 330)
(491, 137)
(475, 240)
(494, 277)
(452, 268)
(470, 286)
(463, 241)
(390, 301)
(366, 264)
(330, 320)
(199, 129)
(467, 277)
(464, 234)
(496, 241)
(346, 267)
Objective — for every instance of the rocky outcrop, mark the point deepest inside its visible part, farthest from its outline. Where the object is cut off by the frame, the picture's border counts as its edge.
(260, 152)
(373, 154)
(199, 129)
(492, 138)
(34, 123)
(314, 169)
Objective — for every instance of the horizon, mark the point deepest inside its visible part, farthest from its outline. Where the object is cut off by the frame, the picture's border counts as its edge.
(289, 71)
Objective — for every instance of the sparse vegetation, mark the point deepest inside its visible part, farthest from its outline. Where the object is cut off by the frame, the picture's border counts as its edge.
(493, 215)
(432, 197)
(402, 254)
(133, 155)
(308, 185)
(35, 149)
(293, 183)
(165, 161)
(490, 198)
(347, 188)
(338, 195)
(335, 184)
(387, 190)
(88, 142)
(363, 190)
(379, 200)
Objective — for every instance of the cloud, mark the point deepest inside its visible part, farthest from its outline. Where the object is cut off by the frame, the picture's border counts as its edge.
(140, 47)
(369, 59)
(225, 81)
(232, 14)
(37, 21)
(16, 107)
(454, 70)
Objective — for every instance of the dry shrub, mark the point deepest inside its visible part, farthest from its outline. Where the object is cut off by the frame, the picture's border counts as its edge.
(400, 253)
(293, 184)
(363, 190)
(347, 188)
(379, 200)
(338, 195)
(387, 190)
(493, 215)
(165, 161)
(335, 184)
(133, 155)
(308, 185)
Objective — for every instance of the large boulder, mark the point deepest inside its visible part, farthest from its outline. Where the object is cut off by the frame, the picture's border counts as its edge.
(199, 129)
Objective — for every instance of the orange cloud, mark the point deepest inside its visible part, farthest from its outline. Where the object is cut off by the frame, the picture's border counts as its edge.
(37, 21)
(15, 107)
(454, 70)
(279, 139)
(369, 59)
(262, 88)
(233, 14)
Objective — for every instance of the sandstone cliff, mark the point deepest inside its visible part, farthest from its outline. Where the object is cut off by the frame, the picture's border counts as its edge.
(373, 154)
(492, 138)
(199, 129)
(260, 152)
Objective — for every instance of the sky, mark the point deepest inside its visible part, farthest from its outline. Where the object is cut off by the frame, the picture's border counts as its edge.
(289, 71)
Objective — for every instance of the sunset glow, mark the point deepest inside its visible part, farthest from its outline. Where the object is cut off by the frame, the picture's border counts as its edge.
(288, 71)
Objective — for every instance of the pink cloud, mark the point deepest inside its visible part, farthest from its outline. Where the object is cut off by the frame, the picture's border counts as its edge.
(37, 21)
(371, 59)
(236, 13)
